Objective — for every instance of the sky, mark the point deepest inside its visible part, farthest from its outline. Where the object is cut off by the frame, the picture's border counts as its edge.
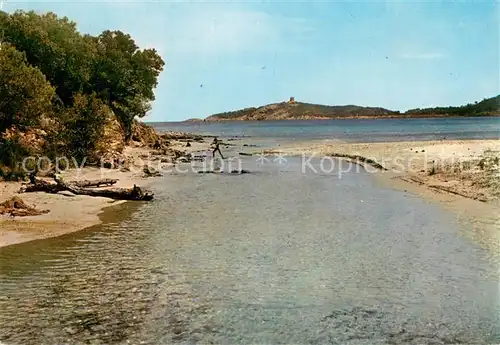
(221, 56)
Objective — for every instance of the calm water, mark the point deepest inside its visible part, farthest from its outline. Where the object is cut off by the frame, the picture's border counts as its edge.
(280, 256)
(349, 130)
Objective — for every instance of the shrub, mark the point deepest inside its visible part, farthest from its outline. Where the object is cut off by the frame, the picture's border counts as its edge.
(12, 153)
(83, 127)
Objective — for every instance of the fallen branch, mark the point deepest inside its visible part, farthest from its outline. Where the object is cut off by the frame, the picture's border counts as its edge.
(40, 185)
(135, 193)
(95, 183)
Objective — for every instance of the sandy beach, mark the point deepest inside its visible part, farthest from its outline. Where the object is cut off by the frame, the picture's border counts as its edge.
(468, 168)
(69, 213)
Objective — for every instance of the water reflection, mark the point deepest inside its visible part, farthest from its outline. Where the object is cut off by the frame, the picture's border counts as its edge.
(276, 257)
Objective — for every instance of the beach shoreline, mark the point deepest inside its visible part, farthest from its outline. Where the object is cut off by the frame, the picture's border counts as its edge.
(447, 173)
(402, 165)
(460, 167)
(69, 213)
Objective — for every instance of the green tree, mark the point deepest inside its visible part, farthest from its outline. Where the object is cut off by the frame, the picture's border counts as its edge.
(125, 76)
(25, 94)
(4, 18)
(83, 126)
(55, 46)
(48, 68)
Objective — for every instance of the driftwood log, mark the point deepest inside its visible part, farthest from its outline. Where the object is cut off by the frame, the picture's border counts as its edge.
(39, 185)
(94, 183)
(82, 188)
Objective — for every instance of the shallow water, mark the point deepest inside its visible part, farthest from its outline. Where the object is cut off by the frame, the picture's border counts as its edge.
(277, 256)
(350, 130)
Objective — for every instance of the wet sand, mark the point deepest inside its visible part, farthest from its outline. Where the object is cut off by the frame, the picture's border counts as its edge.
(68, 212)
(453, 166)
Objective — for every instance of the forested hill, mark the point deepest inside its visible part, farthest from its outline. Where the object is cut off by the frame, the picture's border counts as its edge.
(63, 92)
(300, 111)
(487, 107)
(292, 110)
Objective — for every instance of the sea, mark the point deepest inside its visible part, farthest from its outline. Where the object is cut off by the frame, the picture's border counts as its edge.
(349, 130)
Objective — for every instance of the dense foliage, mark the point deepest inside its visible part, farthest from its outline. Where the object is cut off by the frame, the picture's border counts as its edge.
(25, 94)
(301, 111)
(488, 106)
(124, 76)
(84, 126)
(51, 73)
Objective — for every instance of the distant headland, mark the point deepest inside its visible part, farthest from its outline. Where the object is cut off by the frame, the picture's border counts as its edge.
(293, 110)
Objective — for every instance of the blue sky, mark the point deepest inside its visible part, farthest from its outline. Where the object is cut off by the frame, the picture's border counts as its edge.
(223, 56)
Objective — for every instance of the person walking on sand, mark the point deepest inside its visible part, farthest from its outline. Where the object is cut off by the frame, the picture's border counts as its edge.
(215, 146)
